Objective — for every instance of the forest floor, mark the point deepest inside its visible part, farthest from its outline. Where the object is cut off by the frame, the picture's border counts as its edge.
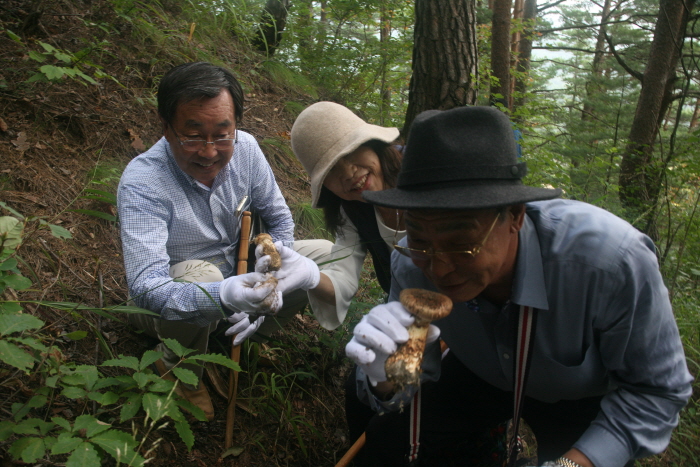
(58, 139)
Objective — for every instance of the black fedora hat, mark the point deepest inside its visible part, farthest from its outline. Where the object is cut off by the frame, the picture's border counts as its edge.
(462, 158)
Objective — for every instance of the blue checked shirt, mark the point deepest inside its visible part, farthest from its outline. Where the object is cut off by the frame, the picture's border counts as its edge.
(168, 217)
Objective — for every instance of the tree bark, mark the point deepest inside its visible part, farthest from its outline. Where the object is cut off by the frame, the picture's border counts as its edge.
(384, 37)
(272, 23)
(525, 52)
(640, 177)
(592, 86)
(444, 57)
(500, 53)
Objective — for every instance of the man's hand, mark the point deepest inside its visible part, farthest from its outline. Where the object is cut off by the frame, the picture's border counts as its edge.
(297, 271)
(239, 293)
(377, 336)
(242, 326)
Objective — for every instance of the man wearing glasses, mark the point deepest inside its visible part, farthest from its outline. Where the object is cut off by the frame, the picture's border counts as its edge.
(558, 297)
(180, 228)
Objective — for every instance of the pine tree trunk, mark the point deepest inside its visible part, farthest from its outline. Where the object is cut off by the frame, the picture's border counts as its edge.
(525, 52)
(592, 86)
(444, 57)
(640, 177)
(272, 23)
(500, 52)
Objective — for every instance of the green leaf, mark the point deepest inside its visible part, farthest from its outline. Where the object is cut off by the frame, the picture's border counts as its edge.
(10, 307)
(7, 429)
(219, 359)
(132, 310)
(15, 281)
(37, 77)
(37, 56)
(176, 347)
(62, 422)
(28, 449)
(59, 232)
(142, 379)
(11, 231)
(76, 335)
(84, 455)
(52, 73)
(161, 385)
(17, 323)
(185, 432)
(116, 443)
(98, 214)
(186, 376)
(107, 398)
(12, 211)
(124, 362)
(65, 444)
(8, 264)
(65, 58)
(90, 424)
(148, 358)
(72, 392)
(48, 47)
(100, 195)
(14, 36)
(191, 408)
(130, 407)
(155, 406)
(13, 355)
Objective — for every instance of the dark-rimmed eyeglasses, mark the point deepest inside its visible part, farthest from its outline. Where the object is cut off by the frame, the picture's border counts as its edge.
(455, 256)
(196, 145)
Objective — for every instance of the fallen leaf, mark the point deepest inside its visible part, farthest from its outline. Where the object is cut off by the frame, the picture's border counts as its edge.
(136, 141)
(21, 142)
(3, 125)
(39, 146)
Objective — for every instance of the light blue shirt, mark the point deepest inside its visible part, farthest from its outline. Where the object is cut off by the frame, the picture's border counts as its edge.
(605, 327)
(167, 217)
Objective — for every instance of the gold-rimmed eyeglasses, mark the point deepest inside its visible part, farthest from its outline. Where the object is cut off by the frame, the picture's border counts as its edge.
(196, 145)
(455, 256)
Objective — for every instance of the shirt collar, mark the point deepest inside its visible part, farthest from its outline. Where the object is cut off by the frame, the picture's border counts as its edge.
(528, 286)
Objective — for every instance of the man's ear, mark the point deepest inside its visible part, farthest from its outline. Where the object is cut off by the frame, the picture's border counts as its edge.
(517, 212)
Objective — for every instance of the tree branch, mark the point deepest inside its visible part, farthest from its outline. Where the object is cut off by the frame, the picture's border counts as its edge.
(556, 47)
(582, 26)
(622, 63)
(549, 5)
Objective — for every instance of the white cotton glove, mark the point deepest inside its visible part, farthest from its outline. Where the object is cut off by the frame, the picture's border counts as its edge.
(242, 326)
(239, 293)
(297, 271)
(377, 336)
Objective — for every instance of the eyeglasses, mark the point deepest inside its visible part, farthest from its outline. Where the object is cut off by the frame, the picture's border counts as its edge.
(455, 256)
(196, 145)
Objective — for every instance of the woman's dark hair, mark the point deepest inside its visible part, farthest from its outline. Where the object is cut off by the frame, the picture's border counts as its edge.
(191, 81)
(389, 160)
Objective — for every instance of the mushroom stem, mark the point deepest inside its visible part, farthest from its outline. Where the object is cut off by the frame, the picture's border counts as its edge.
(268, 246)
(404, 366)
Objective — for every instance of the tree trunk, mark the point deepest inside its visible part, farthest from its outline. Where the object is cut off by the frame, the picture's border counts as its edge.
(516, 37)
(593, 86)
(696, 115)
(640, 178)
(444, 57)
(500, 53)
(272, 23)
(525, 52)
(384, 37)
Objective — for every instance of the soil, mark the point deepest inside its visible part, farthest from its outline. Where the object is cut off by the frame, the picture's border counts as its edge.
(56, 140)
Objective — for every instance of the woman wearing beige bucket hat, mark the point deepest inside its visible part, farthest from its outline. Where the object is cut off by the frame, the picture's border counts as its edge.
(344, 157)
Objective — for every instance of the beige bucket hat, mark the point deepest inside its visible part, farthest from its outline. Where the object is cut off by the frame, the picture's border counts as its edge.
(324, 132)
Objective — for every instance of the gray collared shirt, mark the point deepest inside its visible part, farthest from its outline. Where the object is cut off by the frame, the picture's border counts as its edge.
(605, 327)
(167, 217)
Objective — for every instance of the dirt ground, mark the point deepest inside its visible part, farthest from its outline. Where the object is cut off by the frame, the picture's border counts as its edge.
(57, 138)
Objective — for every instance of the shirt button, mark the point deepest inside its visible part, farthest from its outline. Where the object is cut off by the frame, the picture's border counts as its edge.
(506, 356)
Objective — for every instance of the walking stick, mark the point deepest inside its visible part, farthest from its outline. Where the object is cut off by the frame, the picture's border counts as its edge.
(236, 349)
(352, 452)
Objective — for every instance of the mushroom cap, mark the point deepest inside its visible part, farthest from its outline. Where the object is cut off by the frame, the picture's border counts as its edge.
(426, 304)
(260, 238)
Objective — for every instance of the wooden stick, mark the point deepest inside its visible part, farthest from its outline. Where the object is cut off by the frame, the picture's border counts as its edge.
(352, 452)
(243, 244)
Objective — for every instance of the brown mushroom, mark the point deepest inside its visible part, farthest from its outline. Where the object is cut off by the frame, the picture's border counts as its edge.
(404, 366)
(268, 248)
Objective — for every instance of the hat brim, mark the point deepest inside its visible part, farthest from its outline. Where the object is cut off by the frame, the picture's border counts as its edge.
(345, 146)
(471, 196)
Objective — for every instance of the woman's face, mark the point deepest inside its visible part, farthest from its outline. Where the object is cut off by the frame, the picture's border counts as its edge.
(357, 172)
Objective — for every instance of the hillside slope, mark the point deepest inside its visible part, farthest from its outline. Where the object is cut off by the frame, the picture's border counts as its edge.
(62, 136)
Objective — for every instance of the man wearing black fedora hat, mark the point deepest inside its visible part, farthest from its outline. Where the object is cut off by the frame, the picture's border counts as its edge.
(560, 313)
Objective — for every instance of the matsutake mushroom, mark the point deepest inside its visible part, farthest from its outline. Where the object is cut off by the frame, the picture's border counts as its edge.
(404, 366)
(268, 248)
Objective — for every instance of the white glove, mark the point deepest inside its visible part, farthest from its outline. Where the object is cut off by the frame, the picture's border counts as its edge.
(242, 326)
(297, 271)
(238, 293)
(377, 336)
